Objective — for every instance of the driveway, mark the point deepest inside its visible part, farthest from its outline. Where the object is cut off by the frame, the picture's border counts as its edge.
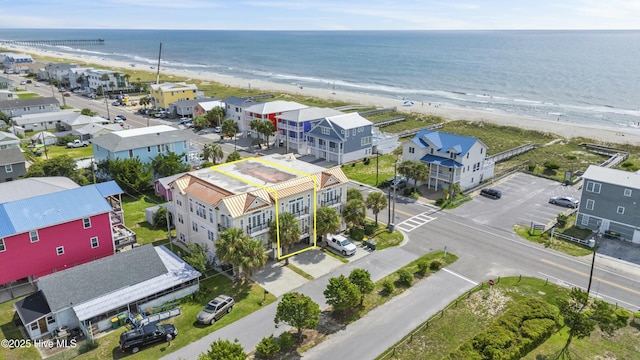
(525, 199)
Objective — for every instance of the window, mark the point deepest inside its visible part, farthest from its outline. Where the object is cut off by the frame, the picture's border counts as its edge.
(354, 132)
(620, 210)
(34, 326)
(148, 148)
(60, 250)
(180, 219)
(194, 226)
(365, 140)
(627, 192)
(33, 235)
(585, 220)
(412, 150)
(211, 216)
(50, 320)
(8, 168)
(593, 187)
(590, 204)
(201, 210)
(2, 246)
(94, 242)
(86, 222)
(325, 130)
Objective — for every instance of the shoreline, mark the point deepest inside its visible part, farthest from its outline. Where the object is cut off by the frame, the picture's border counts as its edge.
(624, 136)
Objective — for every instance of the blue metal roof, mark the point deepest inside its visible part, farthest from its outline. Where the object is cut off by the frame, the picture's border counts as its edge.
(444, 142)
(24, 215)
(433, 159)
(108, 188)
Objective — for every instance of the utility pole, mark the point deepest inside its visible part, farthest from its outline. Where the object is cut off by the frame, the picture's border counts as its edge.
(593, 259)
(395, 185)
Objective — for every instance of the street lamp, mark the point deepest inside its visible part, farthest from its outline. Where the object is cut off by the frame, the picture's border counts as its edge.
(377, 156)
(394, 185)
(593, 259)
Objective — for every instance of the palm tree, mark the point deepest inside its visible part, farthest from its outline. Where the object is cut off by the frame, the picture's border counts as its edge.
(229, 247)
(376, 201)
(420, 173)
(253, 257)
(354, 213)
(213, 152)
(145, 101)
(229, 128)
(406, 168)
(327, 222)
(215, 115)
(354, 193)
(288, 229)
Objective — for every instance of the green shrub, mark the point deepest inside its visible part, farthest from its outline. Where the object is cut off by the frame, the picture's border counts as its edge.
(531, 167)
(440, 202)
(87, 346)
(370, 228)
(626, 164)
(388, 287)
(435, 265)
(405, 277)
(422, 267)
(366, 161)
(551, 165)
(356, 234)
(562, 220)
(286, 341)
(571, 157)
(268, 347)
(622, 317)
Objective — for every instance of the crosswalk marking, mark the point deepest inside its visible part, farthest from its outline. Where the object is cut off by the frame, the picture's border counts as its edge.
(415, 222)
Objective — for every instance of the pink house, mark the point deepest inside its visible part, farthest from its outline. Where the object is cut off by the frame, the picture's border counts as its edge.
(51, 232)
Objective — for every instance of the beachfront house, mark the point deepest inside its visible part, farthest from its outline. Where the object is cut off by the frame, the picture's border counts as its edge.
(610, 202)
(341, 138)
(293, 126)
(108, 80)
(78, 77)
(17, 63)
(187, 108)
(58, 72)
(18, 107)
(96, 293)
(248, 194)
(49, 232)
(166, 93)
(269, 111)
(144, 143)
(451, 158)
(234, 109)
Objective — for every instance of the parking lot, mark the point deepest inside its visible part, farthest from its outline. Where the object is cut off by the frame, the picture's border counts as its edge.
(525, 199)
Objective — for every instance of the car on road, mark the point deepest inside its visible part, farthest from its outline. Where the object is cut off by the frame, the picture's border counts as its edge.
(216, 309)
(66, 94)
(37, 84)
(342, 245)
(23, 82)
(567, 201)
(217, 130)
(141, 336)
(121, 117)
(492, 193)
(118, 121)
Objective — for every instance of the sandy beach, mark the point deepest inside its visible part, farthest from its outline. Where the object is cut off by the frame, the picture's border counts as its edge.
(562, 128)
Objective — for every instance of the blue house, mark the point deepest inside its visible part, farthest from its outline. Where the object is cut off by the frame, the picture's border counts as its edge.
(341, 138)
(451, 158)
(293, 126)
(144, 143)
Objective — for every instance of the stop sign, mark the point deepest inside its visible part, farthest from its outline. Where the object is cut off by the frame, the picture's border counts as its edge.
(491, 282)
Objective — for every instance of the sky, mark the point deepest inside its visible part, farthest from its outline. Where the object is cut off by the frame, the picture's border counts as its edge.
(321, 14)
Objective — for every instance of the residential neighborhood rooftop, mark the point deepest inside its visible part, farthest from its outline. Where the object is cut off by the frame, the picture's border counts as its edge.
(34, 186)
(613, 176)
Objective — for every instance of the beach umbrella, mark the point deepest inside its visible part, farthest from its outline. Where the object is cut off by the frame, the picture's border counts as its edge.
(407, 103)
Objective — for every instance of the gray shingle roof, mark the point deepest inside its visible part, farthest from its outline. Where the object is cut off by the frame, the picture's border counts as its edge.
(11, 156)
(35, 186)
(6, 104)
(84, 282)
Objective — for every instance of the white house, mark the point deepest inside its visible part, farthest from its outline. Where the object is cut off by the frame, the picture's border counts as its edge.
(451, 158)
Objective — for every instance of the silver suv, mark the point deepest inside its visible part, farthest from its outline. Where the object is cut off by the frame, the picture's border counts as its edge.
(215, 309)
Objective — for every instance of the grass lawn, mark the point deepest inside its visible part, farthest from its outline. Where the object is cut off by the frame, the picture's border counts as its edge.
(474, 311)
(134, 219)
(9, 331)
(567, 247)
(23, 95)
(366, 174)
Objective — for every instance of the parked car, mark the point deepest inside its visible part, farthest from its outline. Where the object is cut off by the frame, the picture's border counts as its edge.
(141, 336)
(342, 245)
(217, 130)
(121, 117)
(23, 82)
(564, 201)
(116, 103)
(77, 143)
(398, 183)
(492, 193)
(215, 309)
(66, 94)
(184, 120)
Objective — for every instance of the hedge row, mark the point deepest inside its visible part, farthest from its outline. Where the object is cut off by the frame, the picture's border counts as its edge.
(518, 331)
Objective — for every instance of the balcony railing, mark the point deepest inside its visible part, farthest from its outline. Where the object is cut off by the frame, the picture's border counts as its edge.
(301, 212)
(257, 228)
(123, 236)
(222, 227)
(332, 201)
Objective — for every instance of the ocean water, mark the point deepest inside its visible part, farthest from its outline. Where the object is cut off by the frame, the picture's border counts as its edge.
(587, 77)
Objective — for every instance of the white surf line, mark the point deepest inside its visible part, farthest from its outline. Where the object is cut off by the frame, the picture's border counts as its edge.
(599, 295)
(460, 276)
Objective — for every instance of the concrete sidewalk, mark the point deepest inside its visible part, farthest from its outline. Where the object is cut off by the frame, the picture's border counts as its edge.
(278, 279)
